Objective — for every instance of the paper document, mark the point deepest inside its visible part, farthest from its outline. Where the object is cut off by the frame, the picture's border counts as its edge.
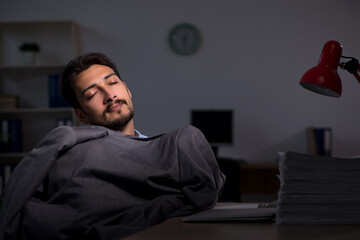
(237, 206)
(233, 213)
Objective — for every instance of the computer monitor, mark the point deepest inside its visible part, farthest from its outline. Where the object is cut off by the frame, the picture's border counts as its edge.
(216, 125)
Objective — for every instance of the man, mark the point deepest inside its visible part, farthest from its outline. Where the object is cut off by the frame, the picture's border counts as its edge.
(105, 180)
(92, 85)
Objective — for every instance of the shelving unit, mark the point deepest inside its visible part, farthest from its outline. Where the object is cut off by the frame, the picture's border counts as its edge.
(59, 43)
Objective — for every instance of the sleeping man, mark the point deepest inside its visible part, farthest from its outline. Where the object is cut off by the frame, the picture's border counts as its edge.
(104, 179)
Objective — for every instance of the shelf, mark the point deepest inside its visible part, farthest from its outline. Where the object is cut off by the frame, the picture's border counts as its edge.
(17, 24)
(16, 68)
(36, 110)
(12, 158)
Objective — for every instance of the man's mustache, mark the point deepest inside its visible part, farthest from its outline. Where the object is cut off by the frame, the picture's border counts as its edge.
(123, 101)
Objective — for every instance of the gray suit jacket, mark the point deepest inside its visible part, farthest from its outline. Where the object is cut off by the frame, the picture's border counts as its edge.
(90, 182)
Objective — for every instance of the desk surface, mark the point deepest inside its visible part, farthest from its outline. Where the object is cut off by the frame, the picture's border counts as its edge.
(176, 229)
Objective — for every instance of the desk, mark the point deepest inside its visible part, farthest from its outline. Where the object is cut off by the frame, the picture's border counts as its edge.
(174, 229)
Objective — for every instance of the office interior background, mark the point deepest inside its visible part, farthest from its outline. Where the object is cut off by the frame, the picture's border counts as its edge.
(252, 56)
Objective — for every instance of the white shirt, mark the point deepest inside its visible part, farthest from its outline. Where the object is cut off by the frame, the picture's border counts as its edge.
(137, 133)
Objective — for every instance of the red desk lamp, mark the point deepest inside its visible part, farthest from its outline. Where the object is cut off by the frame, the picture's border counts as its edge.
(324, 78)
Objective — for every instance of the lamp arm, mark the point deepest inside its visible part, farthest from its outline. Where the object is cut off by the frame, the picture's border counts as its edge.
(352, 67)
(357, 76)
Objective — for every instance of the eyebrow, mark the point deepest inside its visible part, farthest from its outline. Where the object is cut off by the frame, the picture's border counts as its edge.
(107, 76)
(93, 85)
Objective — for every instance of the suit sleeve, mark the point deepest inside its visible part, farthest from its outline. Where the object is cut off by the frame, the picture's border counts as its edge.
(199, 175)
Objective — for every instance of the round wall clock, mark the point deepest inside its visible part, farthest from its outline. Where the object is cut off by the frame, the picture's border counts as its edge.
(184, 39)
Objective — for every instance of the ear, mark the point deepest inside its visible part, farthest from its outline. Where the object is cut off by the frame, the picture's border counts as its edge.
(127, 89)
(81, 116)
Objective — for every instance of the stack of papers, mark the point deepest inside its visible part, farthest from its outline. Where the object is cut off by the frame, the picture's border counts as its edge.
(318, 190)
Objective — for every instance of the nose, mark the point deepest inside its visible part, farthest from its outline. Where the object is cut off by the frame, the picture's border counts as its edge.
(109, 96)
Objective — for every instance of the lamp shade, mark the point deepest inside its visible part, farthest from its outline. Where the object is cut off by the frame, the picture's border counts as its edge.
(324, 78)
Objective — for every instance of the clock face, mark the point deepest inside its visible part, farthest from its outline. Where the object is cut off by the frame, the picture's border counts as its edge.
(184, 39)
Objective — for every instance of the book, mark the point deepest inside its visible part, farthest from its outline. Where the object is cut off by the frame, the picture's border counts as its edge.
(9, 101)
(64, 122)
(10, 135)
(321, 141)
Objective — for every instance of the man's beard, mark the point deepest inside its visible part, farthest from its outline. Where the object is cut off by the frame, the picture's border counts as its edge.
(121, 122)
(118, 123)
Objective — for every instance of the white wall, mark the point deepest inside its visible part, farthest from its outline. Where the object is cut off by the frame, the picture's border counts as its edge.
(254, 53)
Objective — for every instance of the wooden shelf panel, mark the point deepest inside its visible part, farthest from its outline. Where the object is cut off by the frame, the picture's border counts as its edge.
(18, 24)
(12, 158)
(36, 110)
(15, 68)
(259, 178)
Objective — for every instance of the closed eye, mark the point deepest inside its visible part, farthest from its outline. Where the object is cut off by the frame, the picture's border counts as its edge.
(112, 83)
(90, 95)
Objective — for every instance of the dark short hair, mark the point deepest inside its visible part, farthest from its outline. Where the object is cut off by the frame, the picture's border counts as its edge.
(74, 68)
